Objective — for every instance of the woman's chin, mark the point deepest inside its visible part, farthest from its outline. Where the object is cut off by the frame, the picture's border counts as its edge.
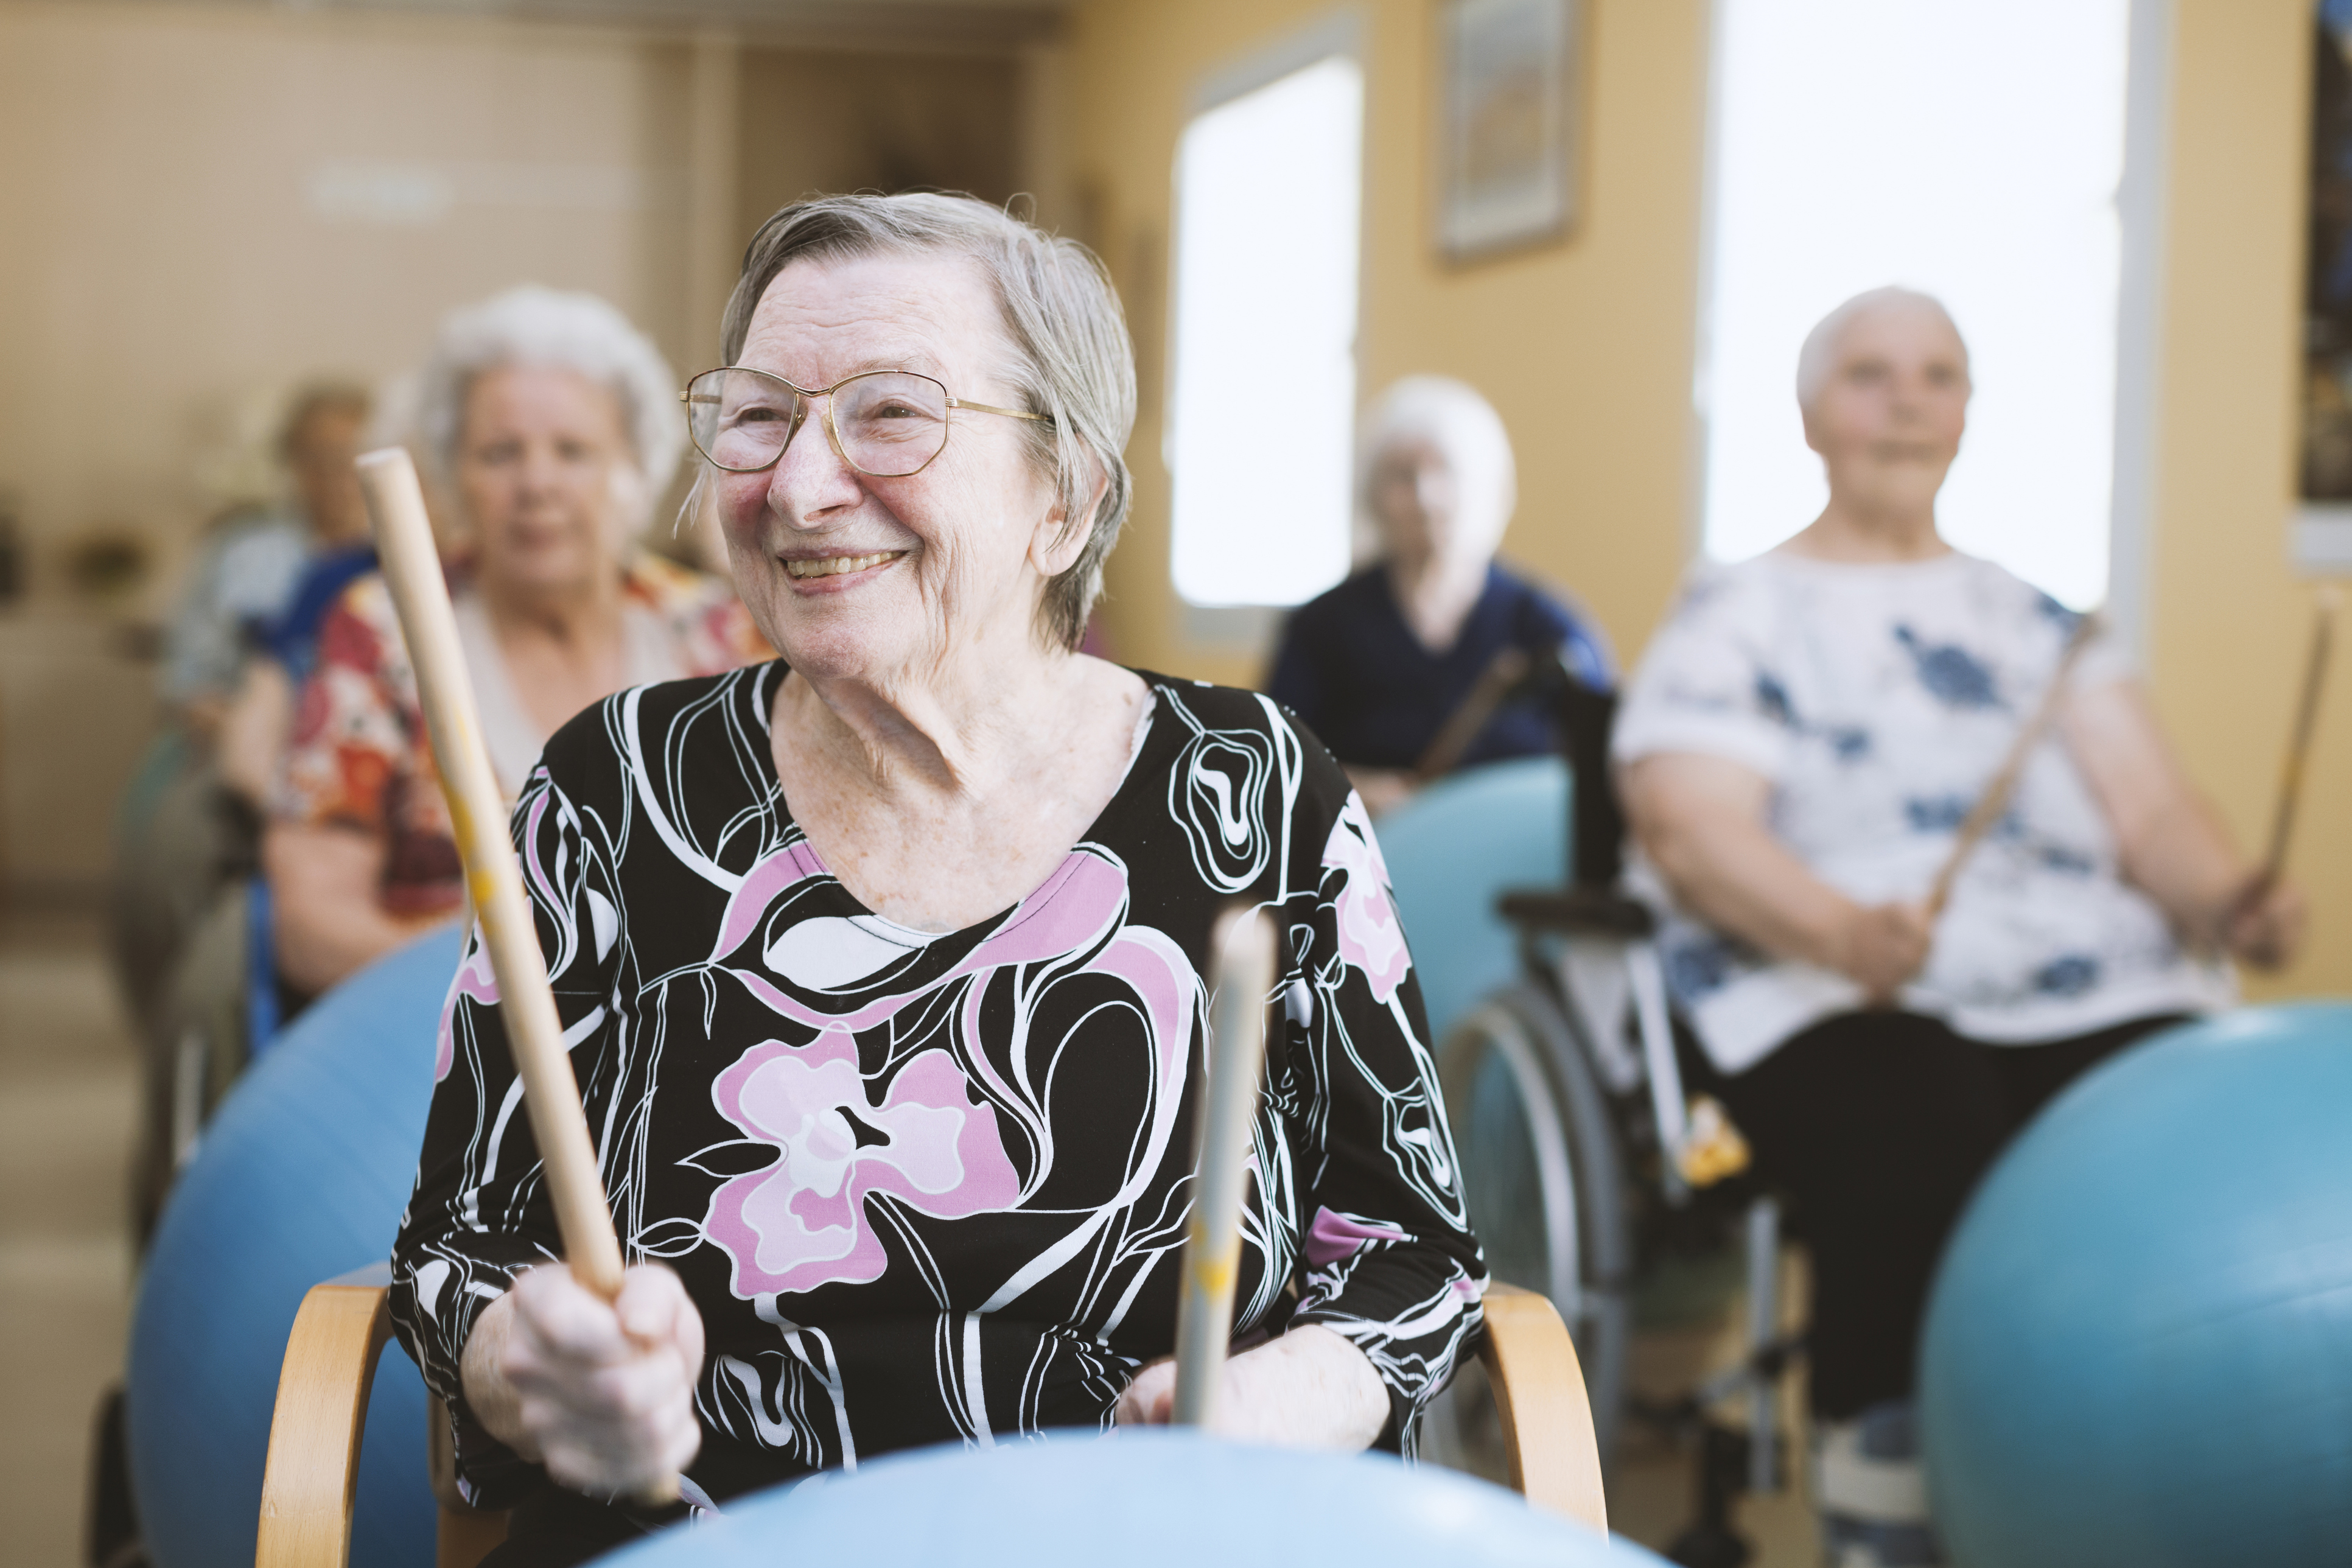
(831, 645)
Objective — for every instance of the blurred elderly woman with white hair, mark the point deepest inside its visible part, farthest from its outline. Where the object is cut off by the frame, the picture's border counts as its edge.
(1377, 664)
(552, 424)
(1798, 751)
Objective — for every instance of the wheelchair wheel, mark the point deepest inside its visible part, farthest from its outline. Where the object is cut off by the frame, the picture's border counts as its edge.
(1547, 1187)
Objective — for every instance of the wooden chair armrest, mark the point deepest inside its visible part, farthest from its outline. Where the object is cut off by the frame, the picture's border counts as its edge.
(312, 1474)
(1555, 1461)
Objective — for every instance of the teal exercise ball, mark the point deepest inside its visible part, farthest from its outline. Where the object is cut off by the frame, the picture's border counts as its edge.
(1454, 848)
(2139, 1347)
(300, 1177)
(1156, 1499)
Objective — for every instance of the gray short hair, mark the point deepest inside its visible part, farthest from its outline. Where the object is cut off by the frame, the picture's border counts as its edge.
(1817, 358)
(1073, 361)
(549, 328)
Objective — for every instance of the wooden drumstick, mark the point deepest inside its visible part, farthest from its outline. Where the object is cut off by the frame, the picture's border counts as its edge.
(2299, 750)
(1995, 798)
(1470, 718)
(477, 812)
(1241, 977)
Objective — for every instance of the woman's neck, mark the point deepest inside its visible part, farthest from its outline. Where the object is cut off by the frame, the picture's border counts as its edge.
(1862, 533)
(563, 649)
(1435, 595)
(578, 617)
(953, 724)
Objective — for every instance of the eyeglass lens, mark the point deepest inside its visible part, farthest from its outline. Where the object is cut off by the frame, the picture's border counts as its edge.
(889, 422)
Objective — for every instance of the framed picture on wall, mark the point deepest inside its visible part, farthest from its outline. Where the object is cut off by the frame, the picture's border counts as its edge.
(1511, 121)
(2323, 540)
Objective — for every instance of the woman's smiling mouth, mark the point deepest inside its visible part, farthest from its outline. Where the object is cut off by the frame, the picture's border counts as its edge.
(836, 565)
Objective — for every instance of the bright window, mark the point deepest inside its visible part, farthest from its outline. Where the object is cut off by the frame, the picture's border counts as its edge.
(1974, 151)
(1262, 408)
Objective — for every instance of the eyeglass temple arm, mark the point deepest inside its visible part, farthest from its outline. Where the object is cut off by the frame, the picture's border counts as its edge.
(990, 409)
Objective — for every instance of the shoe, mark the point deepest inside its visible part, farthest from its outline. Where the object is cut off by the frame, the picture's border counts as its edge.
(1871, 1493)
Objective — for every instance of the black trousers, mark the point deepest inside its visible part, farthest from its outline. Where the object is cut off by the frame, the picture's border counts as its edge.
(1878, 1126)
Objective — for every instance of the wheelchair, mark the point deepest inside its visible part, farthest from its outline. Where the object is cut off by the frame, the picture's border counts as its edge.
(1587, 1160)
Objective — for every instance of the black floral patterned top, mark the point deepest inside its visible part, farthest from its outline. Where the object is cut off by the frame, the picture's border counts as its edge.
(927, 1187)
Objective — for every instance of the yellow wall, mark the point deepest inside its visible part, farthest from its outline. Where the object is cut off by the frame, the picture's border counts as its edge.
(2229, 620)
(1585, 347)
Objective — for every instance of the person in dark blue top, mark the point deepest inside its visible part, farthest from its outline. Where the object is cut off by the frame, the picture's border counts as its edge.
(1377, 664)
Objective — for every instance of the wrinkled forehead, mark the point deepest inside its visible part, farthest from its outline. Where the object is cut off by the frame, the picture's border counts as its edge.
(822, 318)
(1913, 331)
(523, 393)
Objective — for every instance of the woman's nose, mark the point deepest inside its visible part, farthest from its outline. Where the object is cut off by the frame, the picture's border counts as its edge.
(810, 479)
(539, 470)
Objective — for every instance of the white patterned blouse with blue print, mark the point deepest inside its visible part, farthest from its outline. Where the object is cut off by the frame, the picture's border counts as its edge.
(1879, 700)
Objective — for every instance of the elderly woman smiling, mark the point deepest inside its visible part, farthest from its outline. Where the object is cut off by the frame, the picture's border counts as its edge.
(884, 961)
(552, 422)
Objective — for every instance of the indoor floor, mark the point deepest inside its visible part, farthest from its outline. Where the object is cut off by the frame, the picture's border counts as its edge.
(69, 1079)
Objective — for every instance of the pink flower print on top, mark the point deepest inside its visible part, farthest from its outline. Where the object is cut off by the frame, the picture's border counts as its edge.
(1370, 936)
(474, 978)
(1333, 1236)
(801, 1221)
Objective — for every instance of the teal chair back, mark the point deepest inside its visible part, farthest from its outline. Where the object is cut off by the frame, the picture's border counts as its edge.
(1452, 850)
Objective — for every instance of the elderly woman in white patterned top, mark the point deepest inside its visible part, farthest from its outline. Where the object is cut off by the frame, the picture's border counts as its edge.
(884, 961)
(1797, 753)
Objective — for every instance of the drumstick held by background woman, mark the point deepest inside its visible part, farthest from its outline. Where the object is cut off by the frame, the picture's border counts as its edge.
(1995, 798)
(2298, 751)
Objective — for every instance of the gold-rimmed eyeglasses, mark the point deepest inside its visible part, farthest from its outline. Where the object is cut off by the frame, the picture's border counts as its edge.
(885, 422)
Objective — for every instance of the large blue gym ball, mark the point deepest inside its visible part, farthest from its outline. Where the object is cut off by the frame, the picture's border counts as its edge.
(300, 1177)
(2139, 1349)
(1155, 1499)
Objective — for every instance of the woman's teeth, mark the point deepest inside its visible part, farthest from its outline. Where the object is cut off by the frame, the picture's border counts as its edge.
(834, 565)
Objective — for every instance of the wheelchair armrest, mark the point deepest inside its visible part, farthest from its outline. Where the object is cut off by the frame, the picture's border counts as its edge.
(1548, 1437)
(1578, 911)
(312, 1474)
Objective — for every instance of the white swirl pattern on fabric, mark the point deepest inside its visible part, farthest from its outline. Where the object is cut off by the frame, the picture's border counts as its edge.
(930, 1187)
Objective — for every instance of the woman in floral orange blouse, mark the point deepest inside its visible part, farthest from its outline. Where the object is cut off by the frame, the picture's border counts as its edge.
(553, 424)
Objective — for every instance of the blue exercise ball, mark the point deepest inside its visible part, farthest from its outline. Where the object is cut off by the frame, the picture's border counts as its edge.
(301, 1177)
(1157, 1499)
(1454, 849)
(2140, 1348)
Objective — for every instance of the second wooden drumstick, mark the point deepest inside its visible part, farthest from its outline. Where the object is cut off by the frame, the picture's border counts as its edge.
(1240, 980)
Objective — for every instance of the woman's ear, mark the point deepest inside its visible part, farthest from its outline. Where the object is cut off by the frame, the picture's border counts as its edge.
(1056, 545)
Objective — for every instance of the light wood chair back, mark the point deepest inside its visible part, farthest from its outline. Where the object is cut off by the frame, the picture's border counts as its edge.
(322, 1395)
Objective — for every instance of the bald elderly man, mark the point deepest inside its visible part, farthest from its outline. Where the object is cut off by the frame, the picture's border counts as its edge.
(1796, 753)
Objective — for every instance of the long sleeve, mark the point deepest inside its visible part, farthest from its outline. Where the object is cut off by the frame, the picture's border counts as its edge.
(479, 1214)
(1388, 1259)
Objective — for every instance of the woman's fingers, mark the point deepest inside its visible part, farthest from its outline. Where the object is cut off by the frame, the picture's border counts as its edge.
(1884, 946)
(2267, 931)
(1150, 1399)
(606, 1389)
